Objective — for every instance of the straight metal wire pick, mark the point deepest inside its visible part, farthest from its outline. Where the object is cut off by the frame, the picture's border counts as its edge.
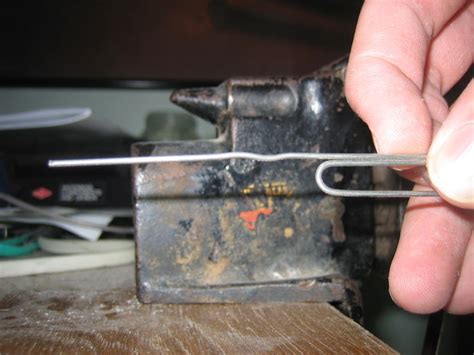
(332, 160)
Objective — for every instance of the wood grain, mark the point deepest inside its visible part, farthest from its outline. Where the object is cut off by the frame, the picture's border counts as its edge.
(97, 312)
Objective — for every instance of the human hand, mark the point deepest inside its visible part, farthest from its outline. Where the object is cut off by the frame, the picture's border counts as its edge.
(406, 55)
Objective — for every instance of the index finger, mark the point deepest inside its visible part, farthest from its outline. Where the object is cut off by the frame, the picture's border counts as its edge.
(385, 76)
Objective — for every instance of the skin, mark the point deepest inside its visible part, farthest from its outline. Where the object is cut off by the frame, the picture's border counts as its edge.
(406, 55)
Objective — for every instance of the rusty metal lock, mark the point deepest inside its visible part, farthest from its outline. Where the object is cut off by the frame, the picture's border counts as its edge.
(246, 231)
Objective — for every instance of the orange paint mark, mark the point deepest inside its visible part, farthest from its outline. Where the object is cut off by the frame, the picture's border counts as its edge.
(250, 217)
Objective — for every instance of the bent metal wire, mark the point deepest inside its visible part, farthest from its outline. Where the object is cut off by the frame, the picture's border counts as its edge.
(332, 160)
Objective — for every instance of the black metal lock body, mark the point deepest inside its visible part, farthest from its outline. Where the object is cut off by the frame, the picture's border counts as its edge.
(246, 231)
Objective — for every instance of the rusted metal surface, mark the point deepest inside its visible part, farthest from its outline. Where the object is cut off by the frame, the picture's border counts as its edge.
(242, 231)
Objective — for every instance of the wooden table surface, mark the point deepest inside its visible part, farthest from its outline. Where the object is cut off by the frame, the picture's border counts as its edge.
(97, 312)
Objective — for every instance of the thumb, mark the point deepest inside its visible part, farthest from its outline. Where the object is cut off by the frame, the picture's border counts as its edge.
(451, 156)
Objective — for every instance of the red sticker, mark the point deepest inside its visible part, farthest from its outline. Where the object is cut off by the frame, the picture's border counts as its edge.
(41, 193)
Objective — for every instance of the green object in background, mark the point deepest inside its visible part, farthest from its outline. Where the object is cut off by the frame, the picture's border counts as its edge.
(173, 126)
(18, 246)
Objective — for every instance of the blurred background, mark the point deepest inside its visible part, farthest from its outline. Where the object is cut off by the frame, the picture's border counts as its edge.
(202, 40)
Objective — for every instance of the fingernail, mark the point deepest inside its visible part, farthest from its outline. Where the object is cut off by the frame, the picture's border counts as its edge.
(376, 143)
(451, 165)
